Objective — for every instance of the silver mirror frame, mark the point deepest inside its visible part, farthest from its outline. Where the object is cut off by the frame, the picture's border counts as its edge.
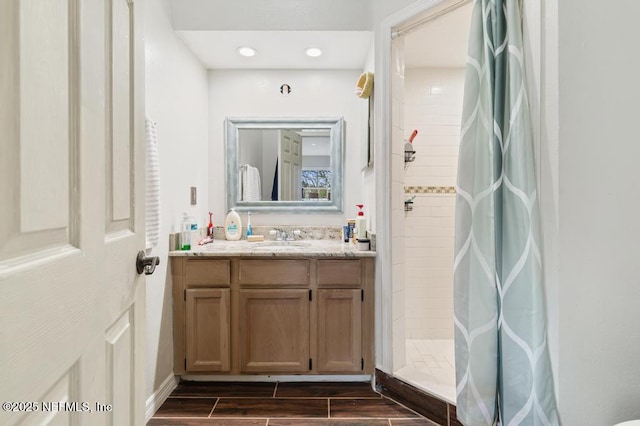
(336, 126)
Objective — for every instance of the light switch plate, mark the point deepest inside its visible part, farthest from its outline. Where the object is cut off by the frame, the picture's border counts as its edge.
(194, 195)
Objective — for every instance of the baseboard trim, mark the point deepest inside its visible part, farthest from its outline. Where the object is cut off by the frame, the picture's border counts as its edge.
(434, 409)
(160, 395)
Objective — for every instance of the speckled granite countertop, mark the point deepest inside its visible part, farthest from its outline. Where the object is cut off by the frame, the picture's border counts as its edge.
(298, 248)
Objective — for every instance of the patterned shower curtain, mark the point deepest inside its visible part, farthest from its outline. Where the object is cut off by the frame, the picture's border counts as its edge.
(503, 372)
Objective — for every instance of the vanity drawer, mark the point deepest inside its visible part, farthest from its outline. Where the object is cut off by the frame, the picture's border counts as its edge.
(339, 273)
(293, 272)
(207, 273)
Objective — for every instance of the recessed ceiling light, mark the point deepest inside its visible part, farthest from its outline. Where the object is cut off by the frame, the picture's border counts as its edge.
(246, 51)
(313, 52)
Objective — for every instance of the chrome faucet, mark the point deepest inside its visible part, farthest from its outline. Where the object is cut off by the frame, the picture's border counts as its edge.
(278, 233)
(282, 235)
(292, 235)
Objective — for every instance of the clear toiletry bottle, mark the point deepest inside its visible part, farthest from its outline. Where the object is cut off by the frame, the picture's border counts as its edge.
(185, 232)
(249, 230)
(194, 232)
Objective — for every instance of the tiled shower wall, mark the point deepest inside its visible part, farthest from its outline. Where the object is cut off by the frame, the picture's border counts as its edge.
(433, 105)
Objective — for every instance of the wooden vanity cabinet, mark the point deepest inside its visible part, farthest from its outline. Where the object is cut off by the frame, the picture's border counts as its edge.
(207, 340)
(273, 316)
(340, 320)
(202, 315)
(340, 331)
(274, 331)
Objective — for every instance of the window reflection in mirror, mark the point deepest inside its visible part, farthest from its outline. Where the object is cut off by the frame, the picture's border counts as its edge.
(285, 164)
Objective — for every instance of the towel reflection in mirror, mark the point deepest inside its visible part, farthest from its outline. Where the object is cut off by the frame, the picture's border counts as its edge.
(249, 179)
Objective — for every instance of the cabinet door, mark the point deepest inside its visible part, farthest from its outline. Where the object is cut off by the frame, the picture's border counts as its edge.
(274, 331)
(207, 330)
(339, 331)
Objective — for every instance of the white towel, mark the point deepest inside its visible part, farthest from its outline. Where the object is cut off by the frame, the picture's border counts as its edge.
(250, 183)
(152, 190)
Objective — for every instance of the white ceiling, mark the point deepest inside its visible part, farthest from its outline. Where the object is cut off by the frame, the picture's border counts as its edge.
(280, 49)
(320, 146)
(441, 43)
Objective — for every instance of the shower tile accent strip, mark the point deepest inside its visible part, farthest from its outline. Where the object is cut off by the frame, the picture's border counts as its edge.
(430, 189)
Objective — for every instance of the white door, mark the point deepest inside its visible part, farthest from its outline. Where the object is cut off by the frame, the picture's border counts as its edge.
(71, 164)
(290, 166)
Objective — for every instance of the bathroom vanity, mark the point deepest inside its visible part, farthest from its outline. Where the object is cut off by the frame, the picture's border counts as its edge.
(301, 307)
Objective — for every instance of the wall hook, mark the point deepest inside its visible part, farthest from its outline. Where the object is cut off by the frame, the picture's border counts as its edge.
(285, 89)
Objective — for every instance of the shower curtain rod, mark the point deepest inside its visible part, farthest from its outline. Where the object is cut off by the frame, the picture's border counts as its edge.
(412, 27)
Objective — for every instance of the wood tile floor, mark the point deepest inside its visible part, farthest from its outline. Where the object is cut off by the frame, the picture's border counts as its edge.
(282, 404)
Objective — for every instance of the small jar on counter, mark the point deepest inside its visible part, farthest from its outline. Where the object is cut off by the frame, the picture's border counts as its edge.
(364, 244)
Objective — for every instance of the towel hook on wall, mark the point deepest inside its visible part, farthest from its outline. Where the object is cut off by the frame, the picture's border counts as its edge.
(285, 89)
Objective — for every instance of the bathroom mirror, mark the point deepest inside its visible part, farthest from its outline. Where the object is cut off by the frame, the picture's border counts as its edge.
(285, 165)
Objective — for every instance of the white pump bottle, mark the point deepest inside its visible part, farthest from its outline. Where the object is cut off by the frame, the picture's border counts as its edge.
(233, 226)
(361, 224)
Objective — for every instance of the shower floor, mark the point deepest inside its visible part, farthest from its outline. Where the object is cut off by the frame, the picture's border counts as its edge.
(431, 367)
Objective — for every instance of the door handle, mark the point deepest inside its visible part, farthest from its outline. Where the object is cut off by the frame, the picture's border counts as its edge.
(146, 264)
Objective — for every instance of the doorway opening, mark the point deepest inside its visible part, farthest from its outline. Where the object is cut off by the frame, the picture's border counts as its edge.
(428, 59)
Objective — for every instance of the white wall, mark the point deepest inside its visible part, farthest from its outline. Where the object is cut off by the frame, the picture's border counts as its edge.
(380, 9)
(368, 173)
(599, 187)
(583, 92)
(315, 93)
(251, 153)
(397, 204)
(176, 99)
(433, 106)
